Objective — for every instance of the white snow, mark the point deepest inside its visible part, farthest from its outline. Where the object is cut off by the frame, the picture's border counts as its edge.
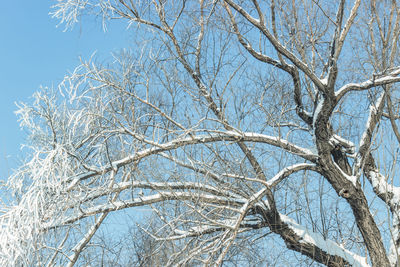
(318, 110)
(351, 178)
(326, 245)
(280, 175)
(379, 183)
(366, 139)
(390, 78)
(272, 140)
(347, 144)
(179, 142)
(324, 81)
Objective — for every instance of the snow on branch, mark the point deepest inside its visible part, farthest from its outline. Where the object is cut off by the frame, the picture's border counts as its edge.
(346, 145)
(172, 186)
(200, 139)
(252, 200)
(204, 229)
(68, 12)
(382, 79)
(386, 191)
(148, 200)
(329, 246)
(366, 139)
(288, 171)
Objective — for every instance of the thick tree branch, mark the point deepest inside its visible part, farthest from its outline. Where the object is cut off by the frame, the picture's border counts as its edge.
(309, 243)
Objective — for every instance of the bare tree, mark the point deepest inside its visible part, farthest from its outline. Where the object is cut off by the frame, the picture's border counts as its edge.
(263, 132)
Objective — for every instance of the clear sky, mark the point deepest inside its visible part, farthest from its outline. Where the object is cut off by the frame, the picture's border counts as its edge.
(35, 52)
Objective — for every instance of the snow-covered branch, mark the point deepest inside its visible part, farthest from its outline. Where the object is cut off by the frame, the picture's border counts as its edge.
(308, 237)
(200, 123)
(158, 186)
(374, 116)
(148, 200)
(274, 181)
(386, 191)
(392, 77)
(346, 145)
(199, 139)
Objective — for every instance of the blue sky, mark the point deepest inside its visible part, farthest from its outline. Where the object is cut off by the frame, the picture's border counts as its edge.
(35, 52)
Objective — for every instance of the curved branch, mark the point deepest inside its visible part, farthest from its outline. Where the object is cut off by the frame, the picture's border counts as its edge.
(384, 190)
(148, 200)
(366, 139)
(199, 139)
(118, 188)
(392, 77)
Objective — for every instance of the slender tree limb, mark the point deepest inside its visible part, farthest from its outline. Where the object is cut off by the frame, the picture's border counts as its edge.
(390, 78)
(278, 46)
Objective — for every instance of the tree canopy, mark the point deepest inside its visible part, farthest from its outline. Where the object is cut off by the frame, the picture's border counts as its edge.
(229, 133)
